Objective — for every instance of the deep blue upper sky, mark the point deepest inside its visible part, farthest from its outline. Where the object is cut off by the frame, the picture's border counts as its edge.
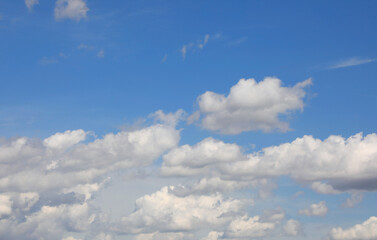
(49, 83)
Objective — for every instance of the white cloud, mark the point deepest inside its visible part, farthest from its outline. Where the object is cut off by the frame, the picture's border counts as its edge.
(213, 236)
(332, 166)
(324, 188)
(249, 227)
(62, 141)
(70, 9)
(31, 164)
(30, 3)
(48, 184)
(364, 231)
(315, 209)
(5, 205)
(292, 227)
(355, 199)
(200, 44)
(101, 53)
(352, 62)
(166, 212)
(162, 236)
(71, 238)
(187, 160)
(251, 106)
(344, 164)
(170, 119)
(204, 42)
(163, 60)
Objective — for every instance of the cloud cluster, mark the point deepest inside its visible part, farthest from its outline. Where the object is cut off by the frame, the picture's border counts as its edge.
(331, 166)
(46, 185)
(165, 215)
(251, 105)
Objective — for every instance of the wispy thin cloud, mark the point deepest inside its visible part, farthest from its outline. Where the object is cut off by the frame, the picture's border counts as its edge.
(164, 58)
(351, 62)
(47, 61)
(101, 53)
(200, 44)
(238, 41)
(30, 4)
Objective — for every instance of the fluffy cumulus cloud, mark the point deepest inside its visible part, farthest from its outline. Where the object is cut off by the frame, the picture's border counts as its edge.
(70, 9)
(251, 105)
(364, 231)
(164, 211)
(47, 184)
(331, 166)
(165, 215)
(315, 209)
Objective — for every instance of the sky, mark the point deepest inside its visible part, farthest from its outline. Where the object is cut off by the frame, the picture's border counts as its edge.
(179, 120)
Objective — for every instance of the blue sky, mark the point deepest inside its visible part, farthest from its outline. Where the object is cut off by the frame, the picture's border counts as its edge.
(88, 75)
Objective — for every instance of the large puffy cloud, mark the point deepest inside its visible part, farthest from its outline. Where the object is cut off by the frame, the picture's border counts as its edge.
(251, 105)
(70, 9)
(364, 231)
(164, 211)
(60, 162)
(166, 215)
(190, 160)
(47, 184)
(49, 223)
(331, 166)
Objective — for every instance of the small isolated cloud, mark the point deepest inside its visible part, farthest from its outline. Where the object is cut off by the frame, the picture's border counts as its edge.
(101, 53)
(47, 61)
(30, 3)
(193, 46)
(292, 227)
(352, 62)
(238, 41)
(316, 209)
(251, 106)
(163, 60)
(364, 231)
(355, 199)
(70, 9)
